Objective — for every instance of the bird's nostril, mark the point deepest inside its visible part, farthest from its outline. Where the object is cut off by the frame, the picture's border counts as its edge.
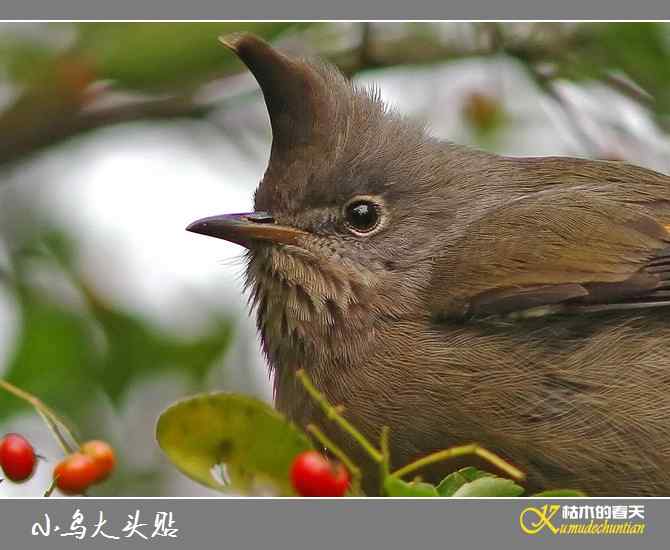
(260, 217)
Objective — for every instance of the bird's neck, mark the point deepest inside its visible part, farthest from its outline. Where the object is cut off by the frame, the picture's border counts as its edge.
(313, 319)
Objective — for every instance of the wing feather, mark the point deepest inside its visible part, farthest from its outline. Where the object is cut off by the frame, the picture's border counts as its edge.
(567, 252)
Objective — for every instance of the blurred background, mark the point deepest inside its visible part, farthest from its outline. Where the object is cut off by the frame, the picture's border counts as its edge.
(114, 136)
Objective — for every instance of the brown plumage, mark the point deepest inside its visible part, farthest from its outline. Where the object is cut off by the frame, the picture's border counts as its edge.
(456, 295)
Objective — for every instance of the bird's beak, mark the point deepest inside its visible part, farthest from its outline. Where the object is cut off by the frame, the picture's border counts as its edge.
(242, 229)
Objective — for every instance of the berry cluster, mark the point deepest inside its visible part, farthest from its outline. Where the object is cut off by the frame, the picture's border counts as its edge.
(74, 474)
(92, 464)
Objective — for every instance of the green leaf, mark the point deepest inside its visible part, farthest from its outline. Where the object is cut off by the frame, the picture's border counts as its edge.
(254, 442)
(450, 484)
(489, 486)
(470, 473)
(455, 480)
(395, 487)
(560, 493)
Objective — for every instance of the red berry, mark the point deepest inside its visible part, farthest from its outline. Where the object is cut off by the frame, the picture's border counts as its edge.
(313, 475)
(17, 457)
(102, 454)
(76, 473)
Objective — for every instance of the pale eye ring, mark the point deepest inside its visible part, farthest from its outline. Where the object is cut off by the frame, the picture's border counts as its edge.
(363, 215)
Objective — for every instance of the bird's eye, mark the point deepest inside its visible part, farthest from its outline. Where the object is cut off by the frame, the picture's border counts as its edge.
(362, 216)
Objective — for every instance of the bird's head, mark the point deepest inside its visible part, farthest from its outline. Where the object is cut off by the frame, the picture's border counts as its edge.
(346, 212)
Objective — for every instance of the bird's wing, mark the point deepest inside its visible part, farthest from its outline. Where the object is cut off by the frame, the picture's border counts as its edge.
(557, 251)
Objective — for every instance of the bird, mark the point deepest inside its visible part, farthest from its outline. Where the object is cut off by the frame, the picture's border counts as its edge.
(455, 295)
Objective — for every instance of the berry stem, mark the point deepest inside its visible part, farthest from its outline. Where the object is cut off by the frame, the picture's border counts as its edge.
(50, 489)
(55, 424)
(333, 414)
(453, 452)
(340, 455)
(385, 464)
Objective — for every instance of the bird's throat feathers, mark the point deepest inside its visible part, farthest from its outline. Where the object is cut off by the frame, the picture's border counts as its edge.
(309, 312)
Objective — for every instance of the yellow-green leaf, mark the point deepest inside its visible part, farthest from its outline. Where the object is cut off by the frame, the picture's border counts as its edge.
(395, 487)
(231, 442)
(455, 480)
(489, 486)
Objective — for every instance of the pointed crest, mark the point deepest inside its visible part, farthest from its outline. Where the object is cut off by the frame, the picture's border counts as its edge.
(295, 93)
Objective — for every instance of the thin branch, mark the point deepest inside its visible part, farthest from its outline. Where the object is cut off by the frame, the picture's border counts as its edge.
(572, 117)
(56, 425)
(58, 126)
(464, 450)
(385, 464)
(366, 58)
(333, 414)
(629, 88)
(50, 489)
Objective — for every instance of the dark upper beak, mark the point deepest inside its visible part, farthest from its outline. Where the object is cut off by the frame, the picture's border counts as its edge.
(244, 228)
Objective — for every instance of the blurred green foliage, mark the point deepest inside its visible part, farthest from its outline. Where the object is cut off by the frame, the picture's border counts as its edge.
(140, 56)
(56, 64)
(155, 56)
(69, 355)
(641, 51)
